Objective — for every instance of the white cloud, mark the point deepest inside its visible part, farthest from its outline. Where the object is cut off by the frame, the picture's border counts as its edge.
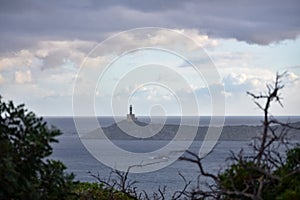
(22, 77)
(232, 58)
(202, 40)
(2, 80)
(255, 76)
(45, 70)
(97, 62)
(23, 58)
(47, 54)
(238, 81)
(183, 39)
(292, 77)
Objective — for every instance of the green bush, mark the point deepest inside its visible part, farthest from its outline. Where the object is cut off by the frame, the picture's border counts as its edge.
(289, 186)
(96, 191)
(25, 170)
(245, 176)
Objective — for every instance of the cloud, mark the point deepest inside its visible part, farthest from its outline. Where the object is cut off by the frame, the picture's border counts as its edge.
(293, 67)
(46, 70)
(201, 39)
(22, 77)
(241, 80)
(254, 80)
(2, 80)
(262, 22)
(46, 62)
(292, 77)
(231, 58)
(22, 58)
(54, 53)
(186, 39)
(47, 54)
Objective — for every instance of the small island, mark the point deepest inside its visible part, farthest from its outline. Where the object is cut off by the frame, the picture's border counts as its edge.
(157, 131)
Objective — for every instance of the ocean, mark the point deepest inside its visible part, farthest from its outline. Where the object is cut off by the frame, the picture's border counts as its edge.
(79, 161)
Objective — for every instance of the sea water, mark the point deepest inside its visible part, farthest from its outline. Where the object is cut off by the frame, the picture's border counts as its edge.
(79, 161)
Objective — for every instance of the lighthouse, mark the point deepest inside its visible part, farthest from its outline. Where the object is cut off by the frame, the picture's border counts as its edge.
(131, 117)
(130, 110)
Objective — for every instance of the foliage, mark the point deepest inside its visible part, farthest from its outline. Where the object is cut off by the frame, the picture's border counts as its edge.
(96, 191)
(25, 170)
(119, 183)
(246, 177)
(289, 186)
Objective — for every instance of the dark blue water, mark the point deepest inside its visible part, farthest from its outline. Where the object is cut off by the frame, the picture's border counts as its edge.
(79, 161)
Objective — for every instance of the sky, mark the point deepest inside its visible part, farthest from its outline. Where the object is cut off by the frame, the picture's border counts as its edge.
(55, 53)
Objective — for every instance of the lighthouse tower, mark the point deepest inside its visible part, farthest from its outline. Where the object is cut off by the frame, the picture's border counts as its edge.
(131, 117)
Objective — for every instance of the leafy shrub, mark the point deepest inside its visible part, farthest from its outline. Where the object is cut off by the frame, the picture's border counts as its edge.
(96, 191)
(25, 170)
(245, 177)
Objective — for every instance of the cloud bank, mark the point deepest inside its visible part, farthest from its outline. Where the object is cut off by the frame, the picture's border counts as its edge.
(261, 22)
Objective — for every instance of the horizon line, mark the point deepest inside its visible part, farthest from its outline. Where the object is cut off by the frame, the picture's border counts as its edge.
(121, 116)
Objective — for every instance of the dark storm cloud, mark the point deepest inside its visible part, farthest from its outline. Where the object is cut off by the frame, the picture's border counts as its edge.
(263, 22)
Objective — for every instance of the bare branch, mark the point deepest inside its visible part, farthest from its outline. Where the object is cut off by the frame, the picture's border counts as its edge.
(178, 194)
(196, 159)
